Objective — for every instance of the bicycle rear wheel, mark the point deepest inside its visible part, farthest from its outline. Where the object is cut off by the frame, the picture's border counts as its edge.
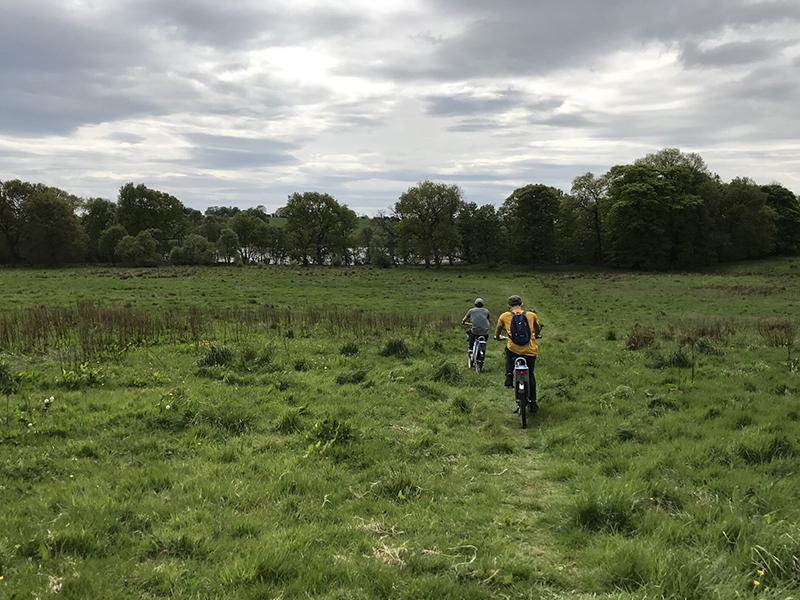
(522, 401)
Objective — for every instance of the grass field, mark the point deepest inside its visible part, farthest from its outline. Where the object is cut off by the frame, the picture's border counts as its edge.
(293, 433)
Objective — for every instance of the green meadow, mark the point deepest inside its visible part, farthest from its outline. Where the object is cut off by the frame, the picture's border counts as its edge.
(276, 432)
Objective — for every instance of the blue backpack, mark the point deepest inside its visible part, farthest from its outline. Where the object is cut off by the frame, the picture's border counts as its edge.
(520, 329)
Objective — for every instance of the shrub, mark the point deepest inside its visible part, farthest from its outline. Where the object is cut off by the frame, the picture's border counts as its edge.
(447, 372)
(611, 335)
(461, 405)
(639, 337)
(330, 430)
(289, 422)
(614, 512)
(395, 347)
(678, 359)
(84, 375)
(352, 376)
(705, 346)
(216, 355)
(349, 349)
(765, 451)
(329, 436)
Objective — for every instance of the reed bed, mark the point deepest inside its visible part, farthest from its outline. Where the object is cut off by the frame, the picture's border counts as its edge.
(91, 329)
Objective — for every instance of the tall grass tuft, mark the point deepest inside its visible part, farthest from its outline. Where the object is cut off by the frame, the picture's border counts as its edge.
(639, 337)
(351, 376)
(447, 372)
(216, 355)
(779, 333)
(395, 347)
(615, 511)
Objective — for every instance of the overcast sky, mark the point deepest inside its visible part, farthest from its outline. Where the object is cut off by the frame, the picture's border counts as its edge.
(242, 103)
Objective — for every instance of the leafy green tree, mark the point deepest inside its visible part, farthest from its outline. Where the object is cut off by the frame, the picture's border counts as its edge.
(787, 218)
(107, 243)
(251, 232)
(695, 232)
(140, 208)
(194, 219)
(343, 240)
(212, 226)
(221, 211)
(12, 195)
(530, 216)
(427, 227)
(383, 246)
(673, 157)
(481, 232)
(98, 215)
(228, 246)
(581, 221)
(51, 232)
(195, 250)
(648, 205)
(317, 227)
(275, 248)
(747, 221)
(140, 250)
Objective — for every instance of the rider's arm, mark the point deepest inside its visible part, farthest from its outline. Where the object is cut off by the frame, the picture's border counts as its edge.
(498, 329)
(537, 328)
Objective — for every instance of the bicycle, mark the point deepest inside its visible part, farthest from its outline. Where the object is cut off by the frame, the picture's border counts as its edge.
(522, 387)
(477, 356)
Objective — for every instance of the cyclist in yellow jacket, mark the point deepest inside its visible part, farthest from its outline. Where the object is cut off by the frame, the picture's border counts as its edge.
(513, 351)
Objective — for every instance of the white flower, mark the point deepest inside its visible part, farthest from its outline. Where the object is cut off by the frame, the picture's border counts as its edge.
(167, 407)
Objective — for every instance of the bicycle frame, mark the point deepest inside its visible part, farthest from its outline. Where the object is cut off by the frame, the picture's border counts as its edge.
(479, 353)
(522, 388)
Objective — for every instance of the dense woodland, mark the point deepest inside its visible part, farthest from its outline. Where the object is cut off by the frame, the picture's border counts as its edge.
(664, 211)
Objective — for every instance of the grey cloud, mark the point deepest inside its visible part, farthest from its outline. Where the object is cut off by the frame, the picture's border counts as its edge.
(467, 104)
(733, 53)
(230, 153)
(572, 120)
(59, 108)
(244, 24)
(477, 125)
(518, 37)
(45, 37)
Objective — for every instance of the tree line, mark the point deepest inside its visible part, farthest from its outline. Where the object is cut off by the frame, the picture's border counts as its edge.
(664, 211)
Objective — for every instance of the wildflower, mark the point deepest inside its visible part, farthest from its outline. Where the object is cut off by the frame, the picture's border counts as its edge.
(756, 582)
(760, 572)
(167, 407)
(71, 476)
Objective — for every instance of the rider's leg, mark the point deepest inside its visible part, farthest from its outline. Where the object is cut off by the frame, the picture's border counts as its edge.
(510, 357)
